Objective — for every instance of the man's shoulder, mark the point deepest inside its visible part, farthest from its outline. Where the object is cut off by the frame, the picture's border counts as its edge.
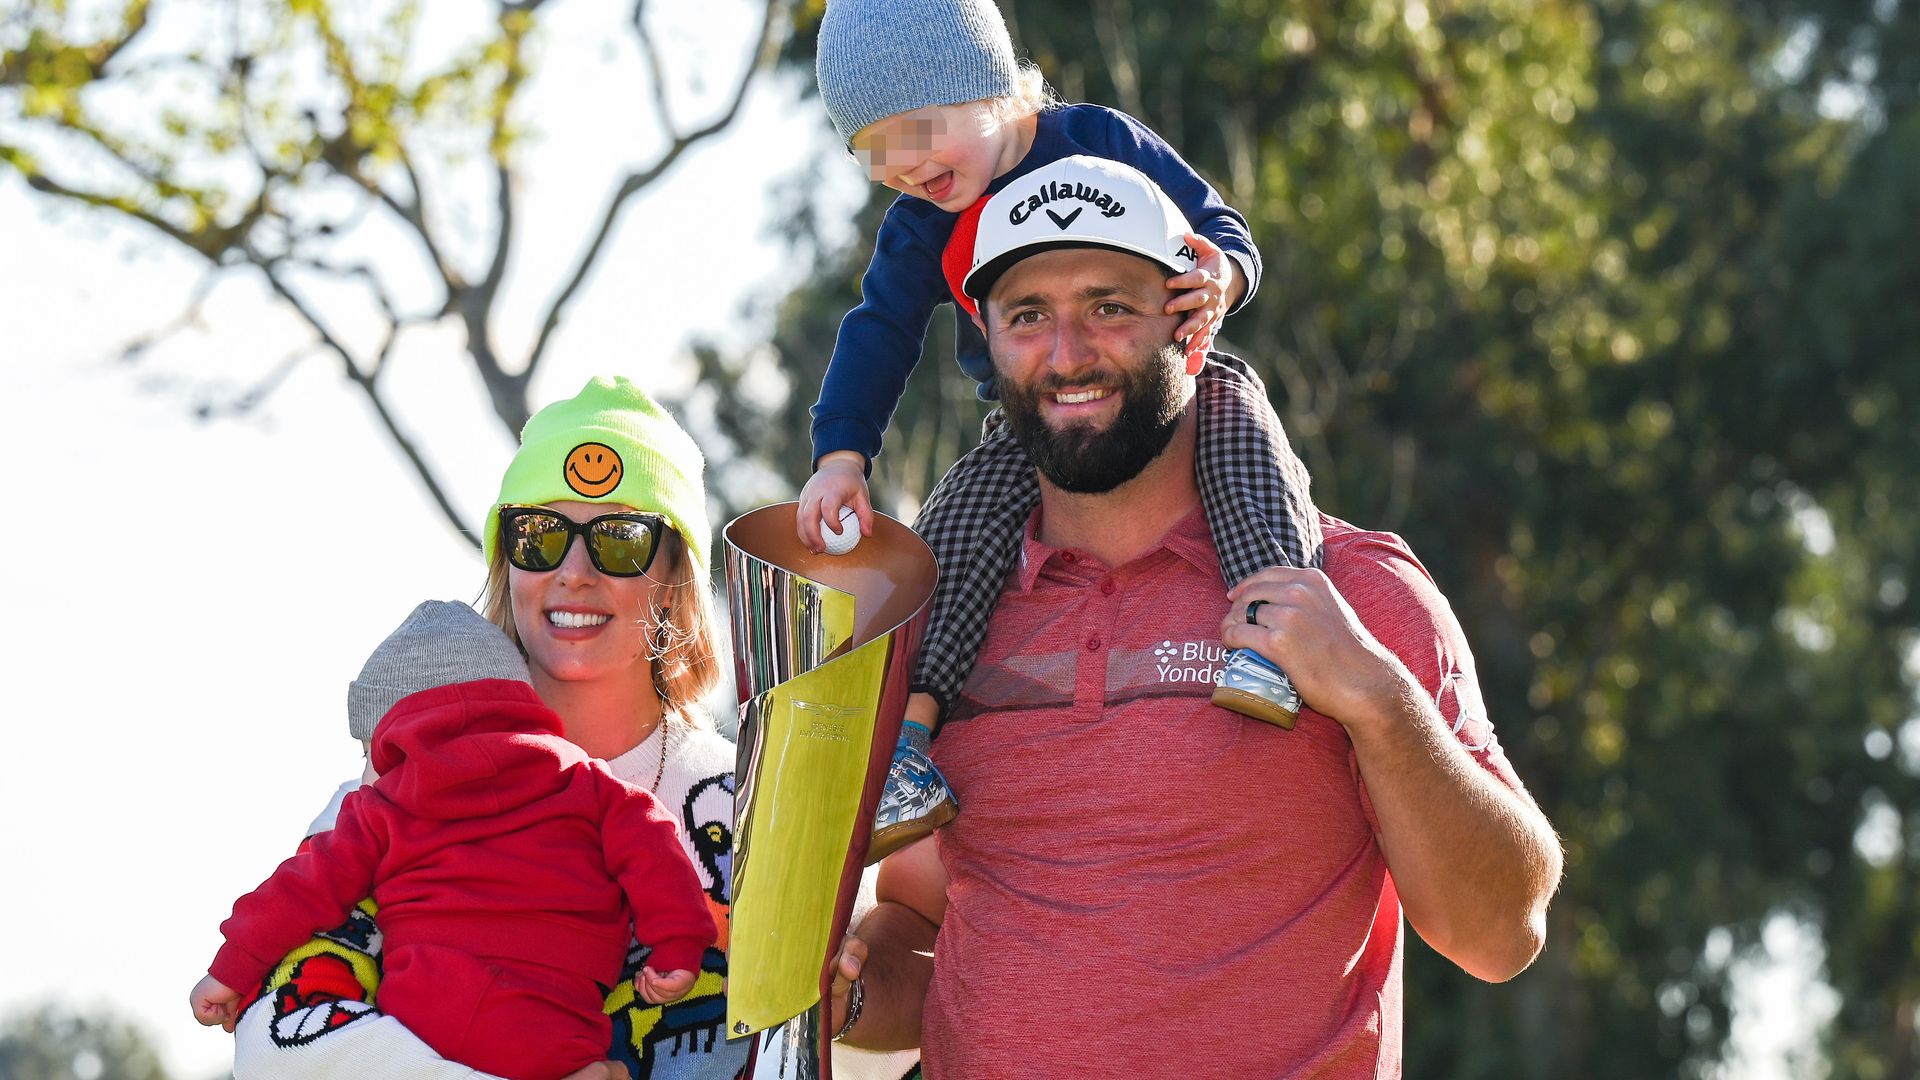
(1351, 549)
(1384, 581)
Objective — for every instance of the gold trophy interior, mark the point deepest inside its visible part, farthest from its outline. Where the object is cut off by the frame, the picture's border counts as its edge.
(889, 575)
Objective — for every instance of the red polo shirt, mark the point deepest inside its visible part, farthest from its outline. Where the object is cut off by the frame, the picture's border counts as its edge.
(1143, 884)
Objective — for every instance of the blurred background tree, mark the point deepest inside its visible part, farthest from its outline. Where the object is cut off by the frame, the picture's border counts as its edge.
(52, 1042)
(1611, 309)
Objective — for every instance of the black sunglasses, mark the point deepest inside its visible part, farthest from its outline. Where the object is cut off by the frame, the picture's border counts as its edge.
(619, 545)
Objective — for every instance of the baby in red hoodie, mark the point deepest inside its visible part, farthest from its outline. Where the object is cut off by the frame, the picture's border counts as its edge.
(509, 868)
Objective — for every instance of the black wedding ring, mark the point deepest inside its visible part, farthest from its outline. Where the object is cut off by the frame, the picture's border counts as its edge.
(1253, 612)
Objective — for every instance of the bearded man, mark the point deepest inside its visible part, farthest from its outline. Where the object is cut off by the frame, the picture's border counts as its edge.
(1142, 883)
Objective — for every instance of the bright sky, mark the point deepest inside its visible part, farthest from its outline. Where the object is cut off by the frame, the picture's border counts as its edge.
(177, 658)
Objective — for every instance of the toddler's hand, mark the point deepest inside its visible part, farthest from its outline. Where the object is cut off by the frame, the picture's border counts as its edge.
(839, 480)
(214, 1002)
(659, 988)
(1207, 290)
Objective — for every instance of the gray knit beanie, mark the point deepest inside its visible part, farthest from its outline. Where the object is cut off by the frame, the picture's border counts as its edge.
(880, 58)
(441, 643)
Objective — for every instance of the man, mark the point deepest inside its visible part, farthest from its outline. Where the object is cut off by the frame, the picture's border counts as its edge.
(1139, 882)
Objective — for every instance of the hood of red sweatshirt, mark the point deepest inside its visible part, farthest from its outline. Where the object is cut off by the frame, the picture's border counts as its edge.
(472, 749)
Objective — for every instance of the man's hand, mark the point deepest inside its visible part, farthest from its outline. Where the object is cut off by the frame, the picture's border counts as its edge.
(840, 479)
(846, 968)
(1303, 624)
(214, 1002)
(1474, 861)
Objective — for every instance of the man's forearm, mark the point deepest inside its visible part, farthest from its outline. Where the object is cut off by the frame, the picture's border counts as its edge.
(894, 978)
(1475, 862)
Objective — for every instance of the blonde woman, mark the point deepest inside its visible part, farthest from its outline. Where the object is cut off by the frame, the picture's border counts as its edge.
(597, 567)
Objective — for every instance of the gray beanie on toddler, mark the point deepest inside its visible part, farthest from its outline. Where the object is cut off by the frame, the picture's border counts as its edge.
(441, 643)
(880, 58)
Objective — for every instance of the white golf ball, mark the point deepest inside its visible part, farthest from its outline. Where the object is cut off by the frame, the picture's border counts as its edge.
(841, 540)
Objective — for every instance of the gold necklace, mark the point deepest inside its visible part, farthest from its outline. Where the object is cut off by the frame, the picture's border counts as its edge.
(660, 772)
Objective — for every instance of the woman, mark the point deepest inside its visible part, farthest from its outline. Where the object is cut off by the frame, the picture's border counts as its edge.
(597, 567)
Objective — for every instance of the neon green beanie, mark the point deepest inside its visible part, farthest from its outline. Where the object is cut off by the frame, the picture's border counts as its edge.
(609, 443)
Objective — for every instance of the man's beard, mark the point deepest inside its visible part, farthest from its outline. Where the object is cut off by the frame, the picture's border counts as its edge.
(1088, 462)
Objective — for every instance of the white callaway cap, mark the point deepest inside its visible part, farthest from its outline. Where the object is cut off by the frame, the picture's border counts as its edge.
(1077, 202)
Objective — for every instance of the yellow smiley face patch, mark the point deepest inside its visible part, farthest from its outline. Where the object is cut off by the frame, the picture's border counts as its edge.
(592, 469)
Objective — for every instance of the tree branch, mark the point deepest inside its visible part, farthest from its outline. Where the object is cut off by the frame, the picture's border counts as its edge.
(130, 28)
(257, 394)
(132, 351)
(367, 385)
(198, 242)
(764, 51)
(656, 68)
(15, 65)
(508, 393)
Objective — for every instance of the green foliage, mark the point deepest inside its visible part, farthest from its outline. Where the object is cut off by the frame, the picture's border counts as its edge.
(53, 1043)
(1610, 308)
(287, 99)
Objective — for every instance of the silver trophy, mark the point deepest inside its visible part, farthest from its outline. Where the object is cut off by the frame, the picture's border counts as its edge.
(823, 649)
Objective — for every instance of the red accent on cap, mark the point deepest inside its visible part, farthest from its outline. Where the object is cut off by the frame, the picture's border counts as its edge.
(957, 259)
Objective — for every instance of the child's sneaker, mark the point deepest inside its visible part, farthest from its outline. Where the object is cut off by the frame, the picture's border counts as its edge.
(915, 801)
(1251, 685)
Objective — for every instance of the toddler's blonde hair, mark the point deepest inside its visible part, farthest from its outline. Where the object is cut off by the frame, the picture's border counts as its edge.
(1031, 95)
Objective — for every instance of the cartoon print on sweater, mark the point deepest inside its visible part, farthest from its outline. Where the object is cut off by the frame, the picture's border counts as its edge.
(708, 818)
(643, 1033)
(327, 983)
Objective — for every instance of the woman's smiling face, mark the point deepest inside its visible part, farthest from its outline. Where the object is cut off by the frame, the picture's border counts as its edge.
(577, 624)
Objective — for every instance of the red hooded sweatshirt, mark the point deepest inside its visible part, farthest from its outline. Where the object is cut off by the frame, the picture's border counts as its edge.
(490, 833)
